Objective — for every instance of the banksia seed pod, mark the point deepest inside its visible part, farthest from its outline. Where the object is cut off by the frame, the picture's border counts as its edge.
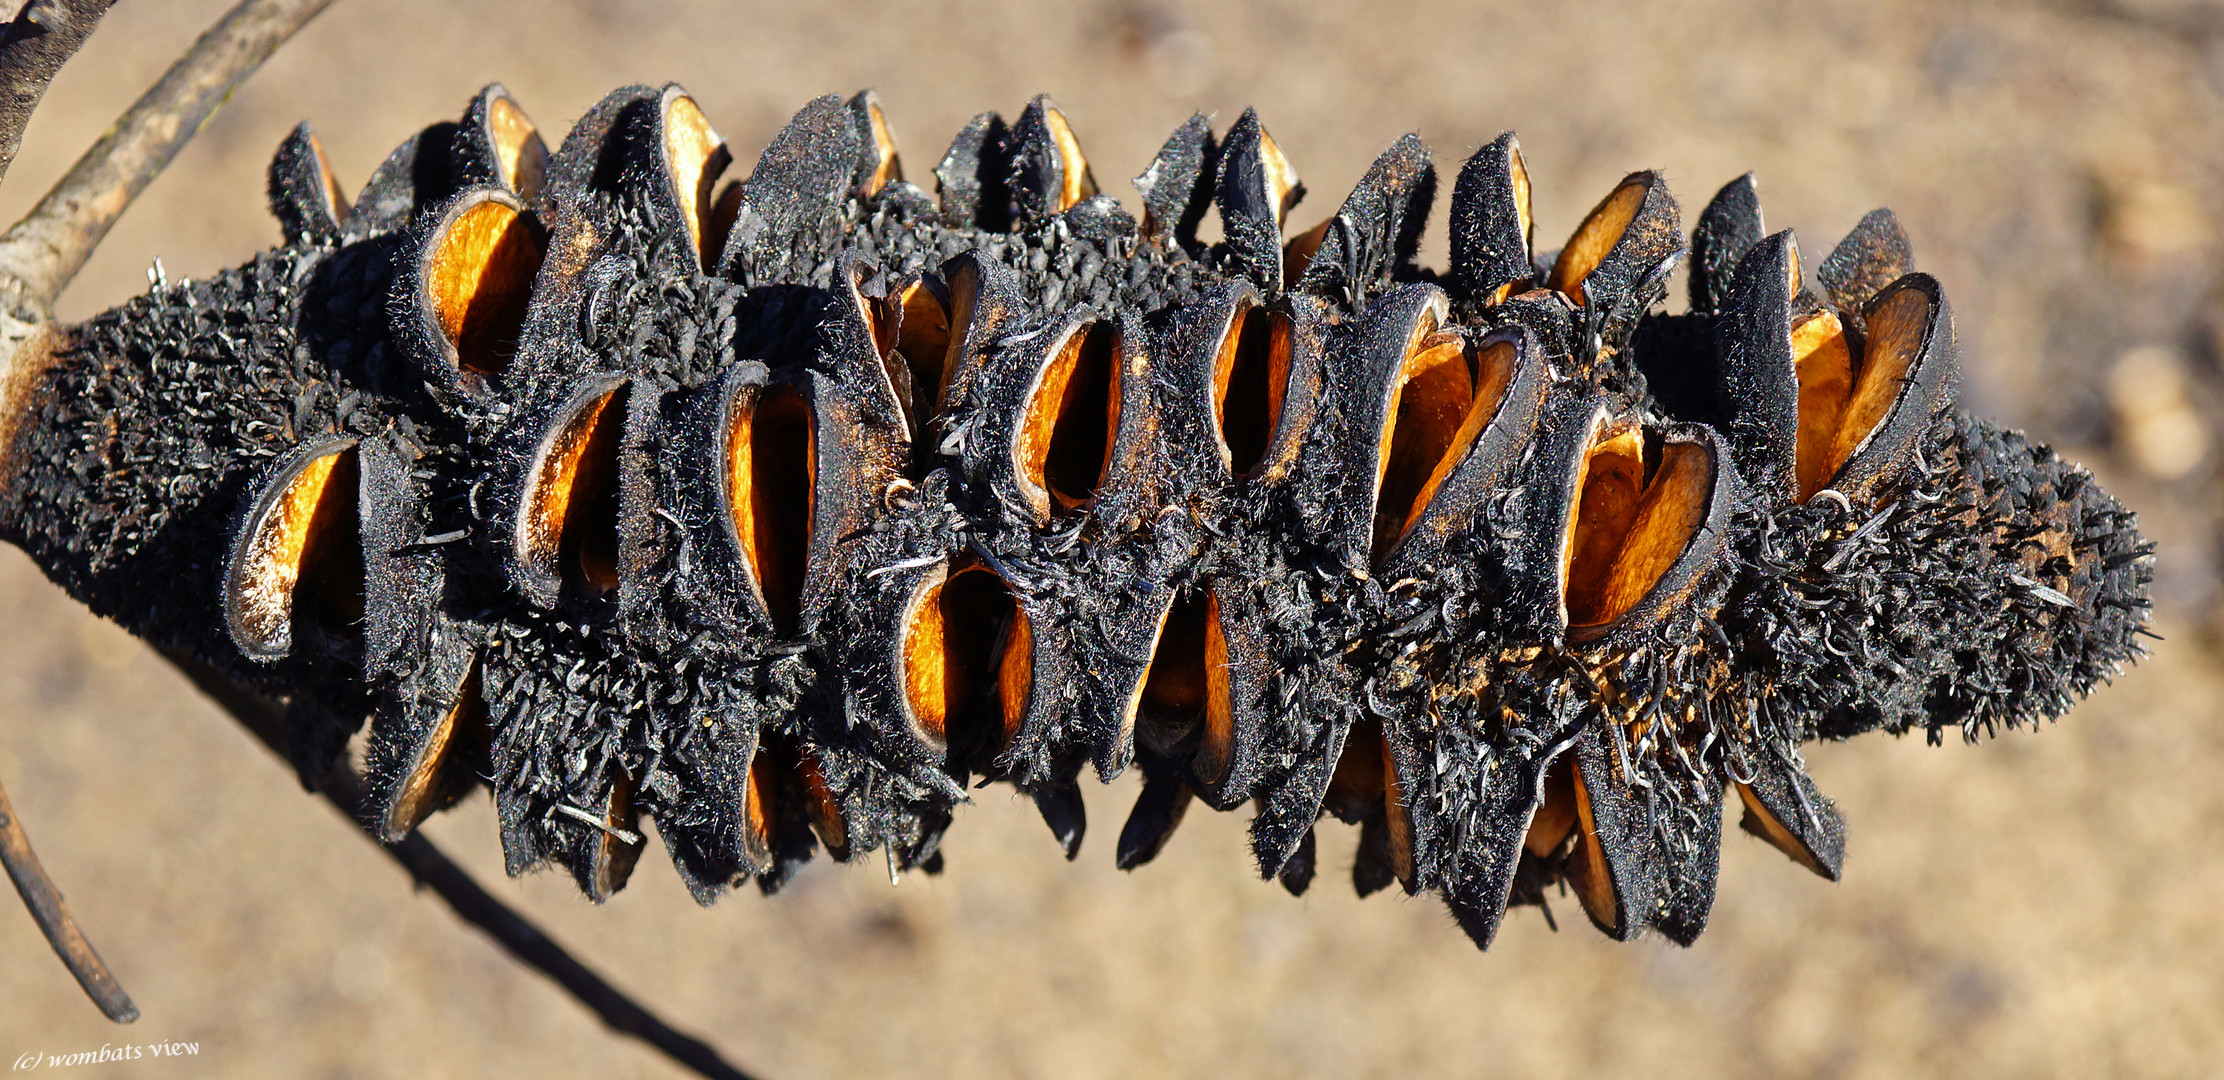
(777, 513)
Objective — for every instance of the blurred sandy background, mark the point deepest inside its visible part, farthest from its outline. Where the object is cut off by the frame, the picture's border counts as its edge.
(2043, 906)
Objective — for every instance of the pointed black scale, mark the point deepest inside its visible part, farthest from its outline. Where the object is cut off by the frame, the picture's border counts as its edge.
(303, 196)
(1726, 230)
(973, 179)
(1784, 807)
(595, 151)
(414, 178)
(602, 149)
(709, 847)
(986, 300)
(1477, 875)
(1288, 809)
(1640, 228)
(1691, 863)
(1061, 807)
(1535, 573)
(403, 737)
(1375, 234)
(1297, 874)
(1620, 835)
(1875, 254)
(1177, 187)
(799, 183)
(1049, 173)
(1370, 373)
(1758, 396)
(1371, 869)
(645, 538)
(1492, 230)
(1158, 811)
(715, 587)
(1255, 192)
(497, 144)
(403, 579)
(878, 162)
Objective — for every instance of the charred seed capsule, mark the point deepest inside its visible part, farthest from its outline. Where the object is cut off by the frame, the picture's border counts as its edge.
(780, 512)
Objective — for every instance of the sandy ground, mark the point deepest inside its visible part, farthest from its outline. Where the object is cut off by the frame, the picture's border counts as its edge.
(2042, 906)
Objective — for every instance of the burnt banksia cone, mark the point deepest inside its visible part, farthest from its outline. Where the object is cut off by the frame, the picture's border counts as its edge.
(777, 513)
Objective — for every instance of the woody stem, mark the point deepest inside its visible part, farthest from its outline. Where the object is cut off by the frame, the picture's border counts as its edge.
(42, 253)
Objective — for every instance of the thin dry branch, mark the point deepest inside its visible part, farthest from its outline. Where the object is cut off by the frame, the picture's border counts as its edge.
(43, 252)
(35, 45)
(433, 870)
(45, 901)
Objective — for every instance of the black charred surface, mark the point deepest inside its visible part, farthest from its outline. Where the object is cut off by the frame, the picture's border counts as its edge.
(1964, 579)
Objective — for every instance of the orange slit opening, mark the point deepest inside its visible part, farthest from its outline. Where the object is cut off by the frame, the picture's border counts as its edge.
(772, 459)
(1555, 817)
(1895, 341)
(760, 808)
(1357, 784)
(269, 573)
(329, 594)
(447, 763)
(1282, 187)
(951, 643)
(614, 859)
(1822, 358)
(479, 281)
(887, 163)
(1588, 871)
(1400, 827)
(1077, 183)
(1065, 442)
(588, 548)
(1251, 380)
(1367, 772)
(1634, 515)
(696, 156)
(723, 214)
(1015, 673)
(1595, 238)
(912, 332)
(1188, 676)
(1447, 395)
(1519, 173)
(827, 819)
(332, 194)
(518, 148)
(964, 285)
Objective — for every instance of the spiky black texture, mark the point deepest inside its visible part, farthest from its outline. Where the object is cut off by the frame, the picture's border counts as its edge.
(1420, 678)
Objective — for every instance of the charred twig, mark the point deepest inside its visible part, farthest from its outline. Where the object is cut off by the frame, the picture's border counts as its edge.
(434, 870)
(45, 901)
(44, 251)
(35, 45)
